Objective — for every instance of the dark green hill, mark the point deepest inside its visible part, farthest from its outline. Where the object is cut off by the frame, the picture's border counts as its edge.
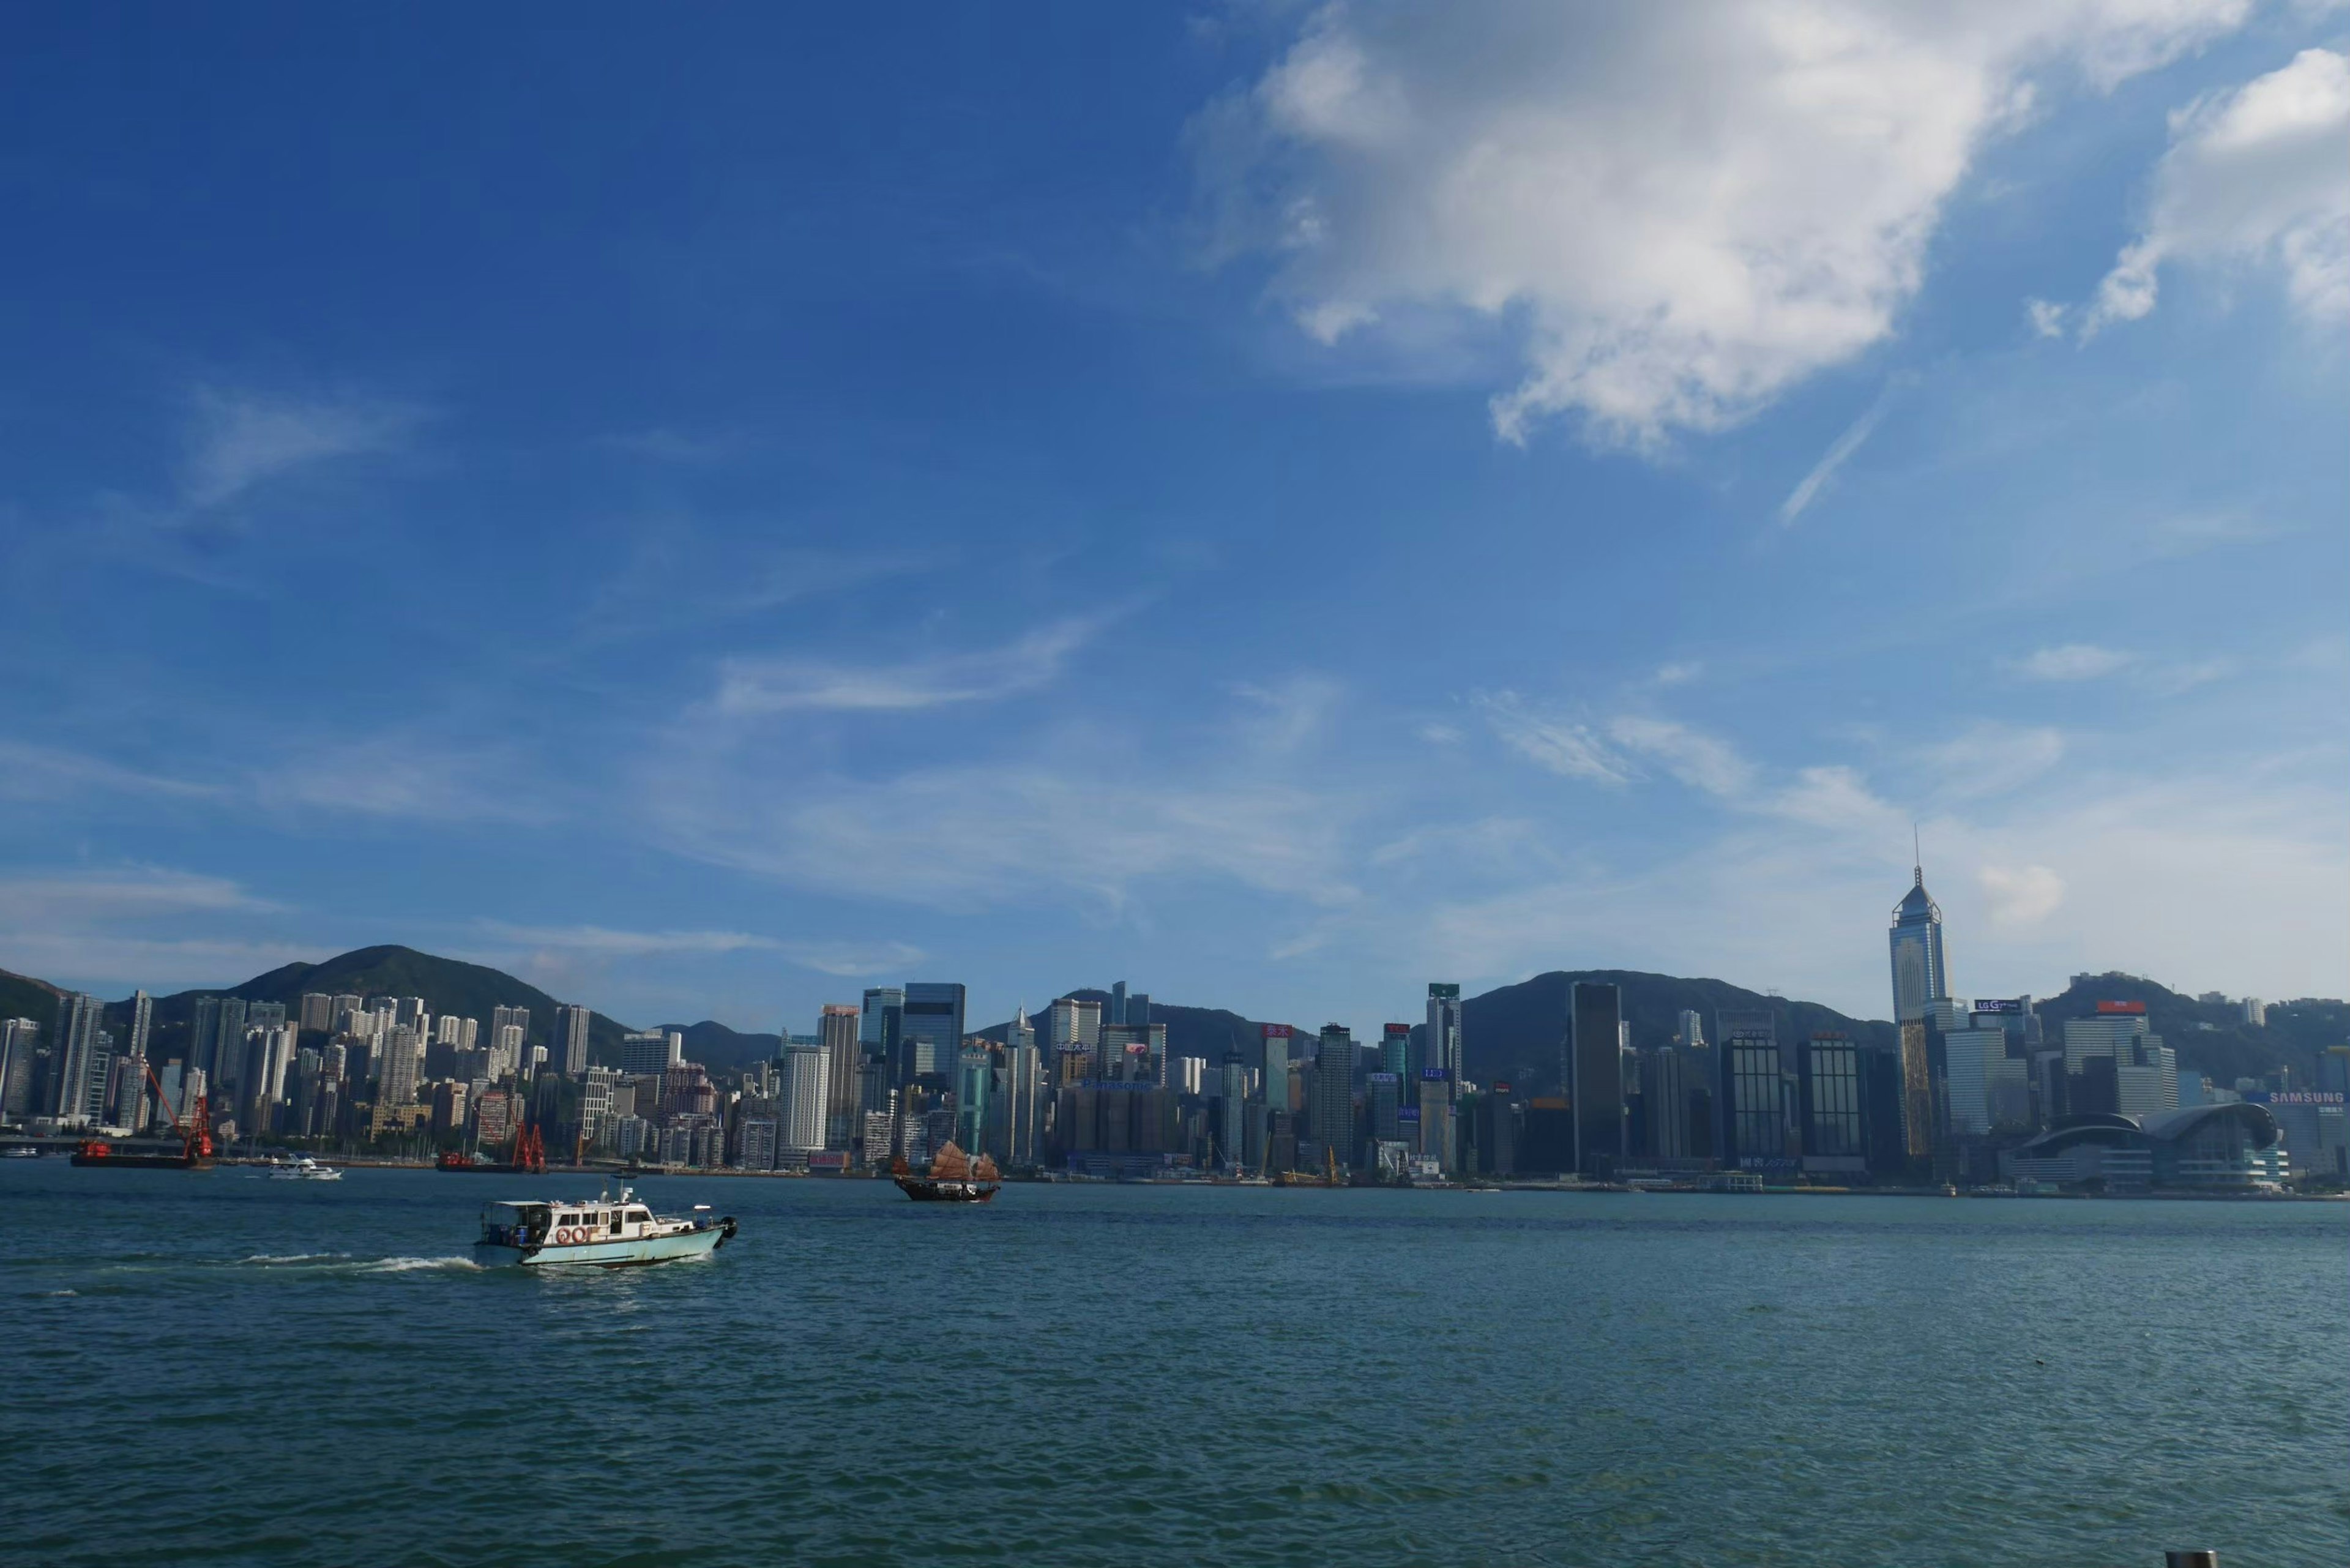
(724, 1050)
(21, 996)
(1514, 1033)
(447, 985)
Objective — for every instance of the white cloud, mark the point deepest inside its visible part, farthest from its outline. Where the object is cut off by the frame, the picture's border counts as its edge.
(238, 439)
(2047, 317)
(848, 960)
(2257, 176)
(2073, 662)
(1567, 749)
(757, 686)
(1698, 760)
(2020, 895)
(1680, 210)
(1679, 672)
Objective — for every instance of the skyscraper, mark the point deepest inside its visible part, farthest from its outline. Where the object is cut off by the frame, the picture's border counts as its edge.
(1596, 1012)
(1073, 1021)
(1023, 1094)
(1834, 1104)
(974, 1095)
(503, 1018)
(1692, 1027)
(1443, 1047)
(802, 1093)
(1754, 1094)
(134, 1090)
(1664, 1101)
(570, 1044)
(317, 1012)
(837, 1034)
(1395, 1049)
(1117, 1014)
(19, 1039)
(77, 1065)
(1920, 977)
(881, 1020)
(1138, 1008)
(1331, 1111)
(933, 1027)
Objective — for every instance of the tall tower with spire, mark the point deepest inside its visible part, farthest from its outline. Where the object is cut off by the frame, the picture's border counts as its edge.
(1919, 974)
(1920, 977)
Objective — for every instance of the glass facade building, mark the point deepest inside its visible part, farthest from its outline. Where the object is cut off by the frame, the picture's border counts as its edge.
(1835, 1109)
(1596, 1059)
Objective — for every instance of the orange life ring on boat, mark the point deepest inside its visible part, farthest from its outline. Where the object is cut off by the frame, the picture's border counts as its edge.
(563, 1237)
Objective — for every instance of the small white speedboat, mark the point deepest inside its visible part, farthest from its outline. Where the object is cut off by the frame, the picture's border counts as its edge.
(603, 1231)
(303, 1170)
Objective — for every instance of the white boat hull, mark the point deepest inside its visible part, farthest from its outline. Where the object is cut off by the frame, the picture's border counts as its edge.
(617, 1253)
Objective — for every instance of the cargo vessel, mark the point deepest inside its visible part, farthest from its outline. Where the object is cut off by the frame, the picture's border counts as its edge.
(953, 1178)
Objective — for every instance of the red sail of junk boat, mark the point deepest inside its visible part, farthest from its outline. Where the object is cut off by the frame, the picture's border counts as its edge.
(953, 1178)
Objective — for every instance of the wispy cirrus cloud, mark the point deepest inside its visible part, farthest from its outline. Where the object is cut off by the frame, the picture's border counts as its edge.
(1567, 747)
(49, 772)
(238, 439)
(119, 926)
(1838, 453)
(2073, 662)
(750, 687)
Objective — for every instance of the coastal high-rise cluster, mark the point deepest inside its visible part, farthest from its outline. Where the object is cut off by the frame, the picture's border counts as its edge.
(1100, 1084)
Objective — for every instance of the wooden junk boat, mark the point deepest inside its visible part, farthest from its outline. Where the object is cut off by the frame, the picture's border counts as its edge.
(953, 1178)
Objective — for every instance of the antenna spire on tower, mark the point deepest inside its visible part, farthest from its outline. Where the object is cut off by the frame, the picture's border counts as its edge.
(1916, 854)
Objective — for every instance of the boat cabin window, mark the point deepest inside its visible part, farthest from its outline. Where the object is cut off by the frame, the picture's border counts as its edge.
(639, 1216)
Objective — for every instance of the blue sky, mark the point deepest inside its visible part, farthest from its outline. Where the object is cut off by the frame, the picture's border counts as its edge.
(712, 511)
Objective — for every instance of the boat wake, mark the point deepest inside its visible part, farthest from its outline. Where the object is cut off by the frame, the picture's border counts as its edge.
(344, 1263)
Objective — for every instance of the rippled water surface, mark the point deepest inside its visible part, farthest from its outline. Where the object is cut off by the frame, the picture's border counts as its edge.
(212, 1367)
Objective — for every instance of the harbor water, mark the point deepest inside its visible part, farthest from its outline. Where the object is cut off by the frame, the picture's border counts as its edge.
(212, 1367)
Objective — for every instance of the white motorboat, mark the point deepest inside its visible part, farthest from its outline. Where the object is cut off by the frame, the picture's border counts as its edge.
(603, 1231)
(303, 1170)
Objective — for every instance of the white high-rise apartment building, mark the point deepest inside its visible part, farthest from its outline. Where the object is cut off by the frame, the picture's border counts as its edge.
(1692, 1027)
(802, 1091)
(396, 1075)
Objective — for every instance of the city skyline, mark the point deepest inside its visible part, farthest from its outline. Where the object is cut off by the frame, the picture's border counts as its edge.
(705, 560)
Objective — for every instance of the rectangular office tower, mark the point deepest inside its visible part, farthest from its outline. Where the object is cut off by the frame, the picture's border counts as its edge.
(933, 1028)
(1597, 1058)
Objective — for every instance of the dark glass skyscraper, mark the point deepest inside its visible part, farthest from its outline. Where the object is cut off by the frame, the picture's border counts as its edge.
(933, 1027)
(1596, 1016)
